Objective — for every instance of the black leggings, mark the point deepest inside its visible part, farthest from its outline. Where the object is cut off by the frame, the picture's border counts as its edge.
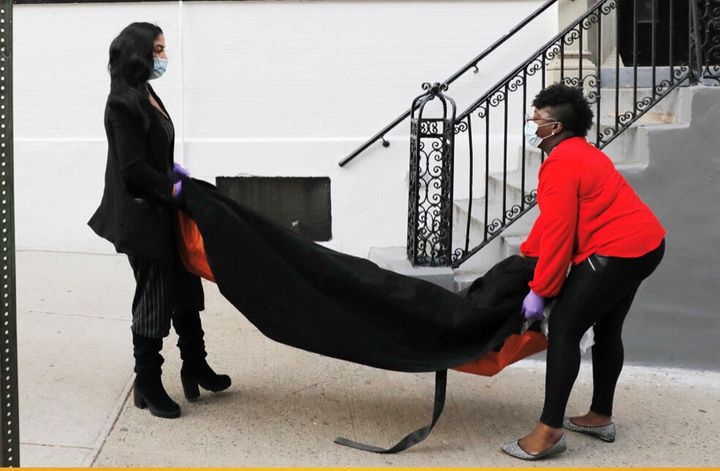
(598, 292)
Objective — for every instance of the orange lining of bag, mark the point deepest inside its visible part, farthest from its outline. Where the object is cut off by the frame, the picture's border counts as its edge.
(192, 248)
(516, 347)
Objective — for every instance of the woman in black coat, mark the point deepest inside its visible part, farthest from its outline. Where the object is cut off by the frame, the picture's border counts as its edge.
(143, 187)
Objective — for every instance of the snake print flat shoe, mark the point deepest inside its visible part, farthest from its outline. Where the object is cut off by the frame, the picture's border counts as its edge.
(605, 433)
(513, 449)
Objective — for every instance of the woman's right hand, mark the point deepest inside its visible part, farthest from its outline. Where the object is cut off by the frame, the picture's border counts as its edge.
(177, 190)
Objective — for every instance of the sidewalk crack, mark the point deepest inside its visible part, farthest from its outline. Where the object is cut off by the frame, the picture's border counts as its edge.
(85, 316)
(52, 445)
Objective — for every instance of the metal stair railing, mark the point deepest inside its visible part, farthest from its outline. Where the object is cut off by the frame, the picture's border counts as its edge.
(473, 64)
(577, 56)
(707, 25)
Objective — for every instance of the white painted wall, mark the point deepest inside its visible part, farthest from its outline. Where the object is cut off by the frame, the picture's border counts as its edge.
(264, 88)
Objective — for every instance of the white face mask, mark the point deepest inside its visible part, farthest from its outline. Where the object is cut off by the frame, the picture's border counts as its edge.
(159, 67)
(531, 128)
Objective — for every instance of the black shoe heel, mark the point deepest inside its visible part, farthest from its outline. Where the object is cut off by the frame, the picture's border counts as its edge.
(148, 390)
(208, 380)
(138, 400)
(215, 382)
(190, 388)
(158, 403)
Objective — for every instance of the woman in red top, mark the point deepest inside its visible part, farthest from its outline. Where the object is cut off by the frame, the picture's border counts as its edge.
(592, 222)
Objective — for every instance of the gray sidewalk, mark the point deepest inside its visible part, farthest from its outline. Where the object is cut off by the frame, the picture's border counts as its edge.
(286, 406)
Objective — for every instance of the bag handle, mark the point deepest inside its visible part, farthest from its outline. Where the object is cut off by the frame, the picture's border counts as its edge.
(418, 435)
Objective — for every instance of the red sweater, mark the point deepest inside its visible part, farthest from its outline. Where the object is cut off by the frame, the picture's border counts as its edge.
(586, 207)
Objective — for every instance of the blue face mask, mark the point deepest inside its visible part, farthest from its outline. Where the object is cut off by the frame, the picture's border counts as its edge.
(159, 68)
(531, 128)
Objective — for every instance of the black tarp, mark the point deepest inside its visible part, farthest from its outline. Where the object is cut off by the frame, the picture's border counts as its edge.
(305, 295)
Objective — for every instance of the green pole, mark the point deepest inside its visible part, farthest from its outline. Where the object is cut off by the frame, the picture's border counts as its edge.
(10, 446)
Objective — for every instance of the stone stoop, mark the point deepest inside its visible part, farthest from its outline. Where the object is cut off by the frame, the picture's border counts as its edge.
(395, 259)
(629, 151)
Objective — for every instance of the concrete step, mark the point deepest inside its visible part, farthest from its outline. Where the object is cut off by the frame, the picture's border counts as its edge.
(533, 159)
(460, 215)
(477, 216)
(511, 245)
(668, 110)
(629, 150)
(626, 77)
(510, 186)
(395, 259)
(505, 245)
(631, 145)
(477, 219)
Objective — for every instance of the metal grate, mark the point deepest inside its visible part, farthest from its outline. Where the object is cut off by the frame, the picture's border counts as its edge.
(10, 447)
(299, 203)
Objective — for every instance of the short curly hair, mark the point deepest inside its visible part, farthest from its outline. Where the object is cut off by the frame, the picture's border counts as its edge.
(567, 105)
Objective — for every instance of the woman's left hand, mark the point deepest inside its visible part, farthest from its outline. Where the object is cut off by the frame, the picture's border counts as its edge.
(180, 172)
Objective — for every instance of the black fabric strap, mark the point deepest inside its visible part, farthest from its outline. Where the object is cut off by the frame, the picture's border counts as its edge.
(418, 435)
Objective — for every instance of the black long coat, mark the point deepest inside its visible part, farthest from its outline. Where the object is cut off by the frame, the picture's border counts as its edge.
(136, 207)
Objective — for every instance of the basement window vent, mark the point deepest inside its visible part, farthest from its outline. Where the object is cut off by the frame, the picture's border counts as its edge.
(300, 203)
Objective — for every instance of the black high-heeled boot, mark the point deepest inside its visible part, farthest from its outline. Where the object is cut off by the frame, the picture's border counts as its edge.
(195, 372)
(148, 390)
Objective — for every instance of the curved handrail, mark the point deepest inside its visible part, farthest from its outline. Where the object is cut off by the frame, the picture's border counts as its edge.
(472, 64)
(502, 82)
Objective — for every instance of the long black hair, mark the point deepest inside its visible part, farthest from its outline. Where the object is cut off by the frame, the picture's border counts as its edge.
(130, 67)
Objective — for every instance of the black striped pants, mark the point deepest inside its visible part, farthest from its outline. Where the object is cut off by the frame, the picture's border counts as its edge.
(163, 289)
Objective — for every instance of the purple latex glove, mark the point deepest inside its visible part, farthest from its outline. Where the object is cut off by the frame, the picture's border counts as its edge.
(180, 172)
(533, 306)
(177, 190)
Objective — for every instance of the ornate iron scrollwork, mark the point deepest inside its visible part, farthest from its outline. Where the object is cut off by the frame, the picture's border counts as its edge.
(429, 237)
(707, 39)
(604, 97)
(560, 51)
(530, 198)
